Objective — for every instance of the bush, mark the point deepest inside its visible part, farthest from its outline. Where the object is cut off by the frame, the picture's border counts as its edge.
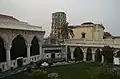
(11, 68)
(105, 72)
(37, 74)
(29, 69)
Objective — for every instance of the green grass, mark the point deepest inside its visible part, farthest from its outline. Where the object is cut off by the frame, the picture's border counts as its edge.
(72, 71)
(75, 71)
(33, 74)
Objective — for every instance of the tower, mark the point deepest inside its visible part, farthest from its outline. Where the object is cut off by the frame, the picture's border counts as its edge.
(58, 20)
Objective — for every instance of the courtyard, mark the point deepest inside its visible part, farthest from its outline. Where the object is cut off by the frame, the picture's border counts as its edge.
(80, 70)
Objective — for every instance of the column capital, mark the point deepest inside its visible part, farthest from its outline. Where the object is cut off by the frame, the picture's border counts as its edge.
(7, 46)
(40, 44)
(84, 50)
(93, 50)
(28, 45)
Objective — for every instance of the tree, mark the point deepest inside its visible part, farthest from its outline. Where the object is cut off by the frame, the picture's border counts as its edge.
(66, 31)
(107, 52)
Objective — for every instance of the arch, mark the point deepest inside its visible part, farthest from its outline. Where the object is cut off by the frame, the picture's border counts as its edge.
(117, 54)
(52, 55)
(34, 49)
(2, 51)
(78, 54)
(3, 38)
(18, 48)
(89, 54)
(98, 56)
(22, 36)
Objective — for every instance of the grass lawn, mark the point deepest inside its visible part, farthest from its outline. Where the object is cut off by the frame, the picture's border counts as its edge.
(73, 71)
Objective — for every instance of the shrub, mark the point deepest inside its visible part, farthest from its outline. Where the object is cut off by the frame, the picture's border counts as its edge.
(105, 72)
(29, 69)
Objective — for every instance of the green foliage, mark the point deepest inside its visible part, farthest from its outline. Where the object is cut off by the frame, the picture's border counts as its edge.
(104, 72)
(107, 51)
(32, 74)
(73, 71)
(66, 32)
(38, 74)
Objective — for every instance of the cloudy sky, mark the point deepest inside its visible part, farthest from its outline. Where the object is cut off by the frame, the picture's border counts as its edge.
(39, 12)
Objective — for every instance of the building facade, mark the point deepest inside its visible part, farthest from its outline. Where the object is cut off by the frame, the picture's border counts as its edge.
(88, 31)
(58, 20)
(20, 43)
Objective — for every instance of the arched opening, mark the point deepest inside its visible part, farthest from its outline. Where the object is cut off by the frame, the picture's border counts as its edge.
(34, 49)
(98, 56)
(116, 57)
(89, 54)
(78, 54)
(68, 53)
(117, 54)
(19, 48)
(2, 51)
(52, 55)
(83, 35)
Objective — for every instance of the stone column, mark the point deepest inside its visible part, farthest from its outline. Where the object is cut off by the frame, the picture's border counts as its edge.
(72, 56)
(28, 52)
(72, 52)
(72, 49)
(40, 51)
(84, 54)
(8, 58)
(93, 55)
(102, 59)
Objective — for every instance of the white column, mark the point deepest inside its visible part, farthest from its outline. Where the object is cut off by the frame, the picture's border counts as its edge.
(72, 52)
(93, 57)
(102, 59)
(8, 58)
(72, 57)
(85, 55)
(28, 52)
(40, 51)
